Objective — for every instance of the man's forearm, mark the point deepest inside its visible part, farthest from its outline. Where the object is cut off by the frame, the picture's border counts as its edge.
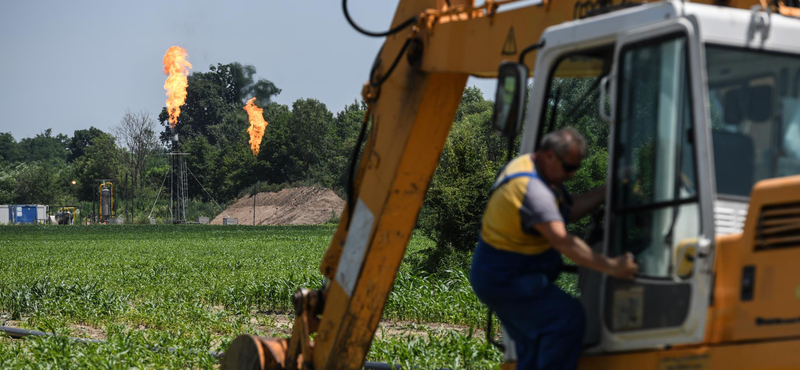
(574, 248)
(579, 252)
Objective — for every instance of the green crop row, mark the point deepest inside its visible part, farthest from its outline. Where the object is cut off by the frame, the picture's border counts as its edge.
(194, 288)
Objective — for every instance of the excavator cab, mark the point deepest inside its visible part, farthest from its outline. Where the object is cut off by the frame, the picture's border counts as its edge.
(643, 78)
(636, 92)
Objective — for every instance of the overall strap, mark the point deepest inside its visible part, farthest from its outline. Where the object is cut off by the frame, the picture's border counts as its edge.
(512, 176)
(563, 198)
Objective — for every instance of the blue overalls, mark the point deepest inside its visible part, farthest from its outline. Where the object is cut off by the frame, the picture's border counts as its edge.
(546, 324)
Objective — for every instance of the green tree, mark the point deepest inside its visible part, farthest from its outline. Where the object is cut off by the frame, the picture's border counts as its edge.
(471, 158)
(235, 171)
(100, 161)
(312, 137)
(9, 151)
(45, 146)
(305, 144)
(8, 183)
(346, 127)
(136, 133)
(81, 139)
(37, 183)
(277, 155)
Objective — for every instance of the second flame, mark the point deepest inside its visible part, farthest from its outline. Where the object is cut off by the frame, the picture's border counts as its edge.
(257, 125)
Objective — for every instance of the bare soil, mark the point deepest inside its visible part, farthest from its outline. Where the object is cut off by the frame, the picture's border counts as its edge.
(281, 324)
(86, 331)
(295, 206)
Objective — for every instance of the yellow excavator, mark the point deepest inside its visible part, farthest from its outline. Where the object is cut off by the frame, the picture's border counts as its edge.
(701, 99)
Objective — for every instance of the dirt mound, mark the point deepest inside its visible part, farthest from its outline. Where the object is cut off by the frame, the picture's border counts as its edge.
(296, 206)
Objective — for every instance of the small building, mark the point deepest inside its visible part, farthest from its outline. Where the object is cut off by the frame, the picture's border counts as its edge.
(28, 214)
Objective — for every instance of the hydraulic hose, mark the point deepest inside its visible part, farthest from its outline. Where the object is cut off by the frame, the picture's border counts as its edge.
(392, 31)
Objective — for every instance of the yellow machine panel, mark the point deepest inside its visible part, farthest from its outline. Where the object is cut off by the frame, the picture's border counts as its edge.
(757, 290)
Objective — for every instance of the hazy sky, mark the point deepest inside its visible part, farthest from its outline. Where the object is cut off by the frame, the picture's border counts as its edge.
(68, 65)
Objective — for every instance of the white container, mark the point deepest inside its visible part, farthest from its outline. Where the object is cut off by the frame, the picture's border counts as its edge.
(4, 219)
(41, 214)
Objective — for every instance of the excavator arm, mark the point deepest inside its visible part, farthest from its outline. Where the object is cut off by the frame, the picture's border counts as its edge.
(413, 92)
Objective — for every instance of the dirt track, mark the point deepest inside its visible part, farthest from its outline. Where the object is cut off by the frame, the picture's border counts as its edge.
(296, 206)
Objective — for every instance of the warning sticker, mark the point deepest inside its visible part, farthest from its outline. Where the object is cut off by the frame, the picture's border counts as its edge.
(688, 362)
(510, 45)
(628, 308)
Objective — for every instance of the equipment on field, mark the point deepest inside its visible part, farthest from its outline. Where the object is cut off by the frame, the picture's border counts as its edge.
(106, 200)
(65, 215)
(701, 99)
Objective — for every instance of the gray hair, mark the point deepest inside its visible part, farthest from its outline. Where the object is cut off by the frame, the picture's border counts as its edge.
(561, 141)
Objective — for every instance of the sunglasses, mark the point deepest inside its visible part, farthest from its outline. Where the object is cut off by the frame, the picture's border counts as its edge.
(565, 166)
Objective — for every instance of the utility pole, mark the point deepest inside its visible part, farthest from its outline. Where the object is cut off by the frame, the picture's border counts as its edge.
(127, 200)
(255, 193)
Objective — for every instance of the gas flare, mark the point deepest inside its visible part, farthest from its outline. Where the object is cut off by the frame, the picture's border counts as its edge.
(177, 67)
(257, 125)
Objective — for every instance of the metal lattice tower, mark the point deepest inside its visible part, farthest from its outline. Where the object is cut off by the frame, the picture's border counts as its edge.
(178, 184)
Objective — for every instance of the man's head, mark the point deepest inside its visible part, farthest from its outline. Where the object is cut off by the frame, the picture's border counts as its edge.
(560, 155)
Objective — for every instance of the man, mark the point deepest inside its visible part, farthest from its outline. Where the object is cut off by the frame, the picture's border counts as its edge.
(518, 258)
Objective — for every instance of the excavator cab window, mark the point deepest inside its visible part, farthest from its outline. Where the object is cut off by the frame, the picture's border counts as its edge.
(754, 99)
(654, 198)
(571, 101)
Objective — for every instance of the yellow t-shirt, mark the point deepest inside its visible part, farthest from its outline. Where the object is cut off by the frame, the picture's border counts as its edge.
(518, 204)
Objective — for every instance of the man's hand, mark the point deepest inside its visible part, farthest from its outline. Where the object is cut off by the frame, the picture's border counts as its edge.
(576, 249)
(624, 267)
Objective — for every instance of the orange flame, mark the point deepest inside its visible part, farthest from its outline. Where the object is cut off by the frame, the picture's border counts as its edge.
(257, 125)
(177, 67)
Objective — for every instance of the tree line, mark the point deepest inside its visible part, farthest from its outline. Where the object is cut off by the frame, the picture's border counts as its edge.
(304, 144)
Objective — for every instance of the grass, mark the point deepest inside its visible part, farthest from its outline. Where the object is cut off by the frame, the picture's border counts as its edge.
(195, 288)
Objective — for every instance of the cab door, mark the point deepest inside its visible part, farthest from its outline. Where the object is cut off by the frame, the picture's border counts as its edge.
(659, 203)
